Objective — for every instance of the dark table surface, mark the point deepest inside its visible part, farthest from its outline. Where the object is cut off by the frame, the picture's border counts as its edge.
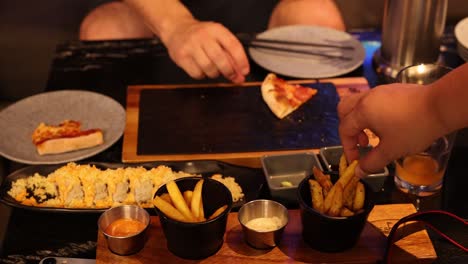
(108, 67)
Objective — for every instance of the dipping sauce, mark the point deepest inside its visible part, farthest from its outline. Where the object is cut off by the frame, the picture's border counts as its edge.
(264, 224)
(124, 227)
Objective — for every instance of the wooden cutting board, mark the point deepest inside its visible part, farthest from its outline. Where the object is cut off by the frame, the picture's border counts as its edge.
(154, 130)
(416, 247)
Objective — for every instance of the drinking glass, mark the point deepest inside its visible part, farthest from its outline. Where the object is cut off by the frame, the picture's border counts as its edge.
(421, 174)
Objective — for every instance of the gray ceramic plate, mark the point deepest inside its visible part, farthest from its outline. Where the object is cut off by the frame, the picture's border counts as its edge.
(93, 110)
(309, 66)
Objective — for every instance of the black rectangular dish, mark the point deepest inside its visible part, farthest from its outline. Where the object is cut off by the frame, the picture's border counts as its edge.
(250, 180)
(206, 120)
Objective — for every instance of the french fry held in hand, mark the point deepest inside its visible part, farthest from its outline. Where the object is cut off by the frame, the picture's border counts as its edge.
(343, 164)
(345, 198)
(186, 207)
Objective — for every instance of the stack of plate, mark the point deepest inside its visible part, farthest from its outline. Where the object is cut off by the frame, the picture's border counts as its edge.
(461, 34)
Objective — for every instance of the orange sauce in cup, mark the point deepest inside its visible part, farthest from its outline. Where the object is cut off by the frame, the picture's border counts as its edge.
(124, 227)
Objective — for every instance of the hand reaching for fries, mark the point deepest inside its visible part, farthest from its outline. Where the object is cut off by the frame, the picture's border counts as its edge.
(344, 198)
(186, 206)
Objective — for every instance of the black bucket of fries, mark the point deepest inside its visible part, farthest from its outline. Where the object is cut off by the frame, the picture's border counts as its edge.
(334, 210)
(193, 212)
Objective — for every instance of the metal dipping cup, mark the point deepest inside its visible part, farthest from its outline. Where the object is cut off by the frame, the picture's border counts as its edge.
(263, 208)
(125, 245)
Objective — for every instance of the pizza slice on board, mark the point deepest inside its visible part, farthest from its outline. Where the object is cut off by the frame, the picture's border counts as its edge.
(284, 98)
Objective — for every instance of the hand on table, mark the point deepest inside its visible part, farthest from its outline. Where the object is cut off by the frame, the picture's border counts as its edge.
(401, 115)
(207, 49)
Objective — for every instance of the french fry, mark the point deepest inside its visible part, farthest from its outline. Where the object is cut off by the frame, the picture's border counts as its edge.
(337, 202)
(317, 195)
(202, 211)
(178, 200)
(166, 197)
(218, 212)
(196, 199)
(168, 209)
(349, 192)
(188, 196)
(358, 202)
(344, 198)
(348, 173)
(343, 164)
(327, 203)
(322, 179)
(346, 212)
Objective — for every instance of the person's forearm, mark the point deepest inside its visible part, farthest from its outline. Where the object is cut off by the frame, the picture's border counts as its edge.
(450, 99)
(161, 16)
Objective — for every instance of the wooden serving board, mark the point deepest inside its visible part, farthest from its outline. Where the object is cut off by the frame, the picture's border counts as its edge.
(415, 247)
(232, 141)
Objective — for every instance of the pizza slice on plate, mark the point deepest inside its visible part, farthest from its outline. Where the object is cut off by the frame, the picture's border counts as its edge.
(65, 137)
(284, 98)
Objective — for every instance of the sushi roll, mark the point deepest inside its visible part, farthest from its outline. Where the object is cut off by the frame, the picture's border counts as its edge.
(102, 198)
(36, 190)
(141, 185)
(118, 186)
(88, 176)
(18, 189)
(69, 185)
(159, 176)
